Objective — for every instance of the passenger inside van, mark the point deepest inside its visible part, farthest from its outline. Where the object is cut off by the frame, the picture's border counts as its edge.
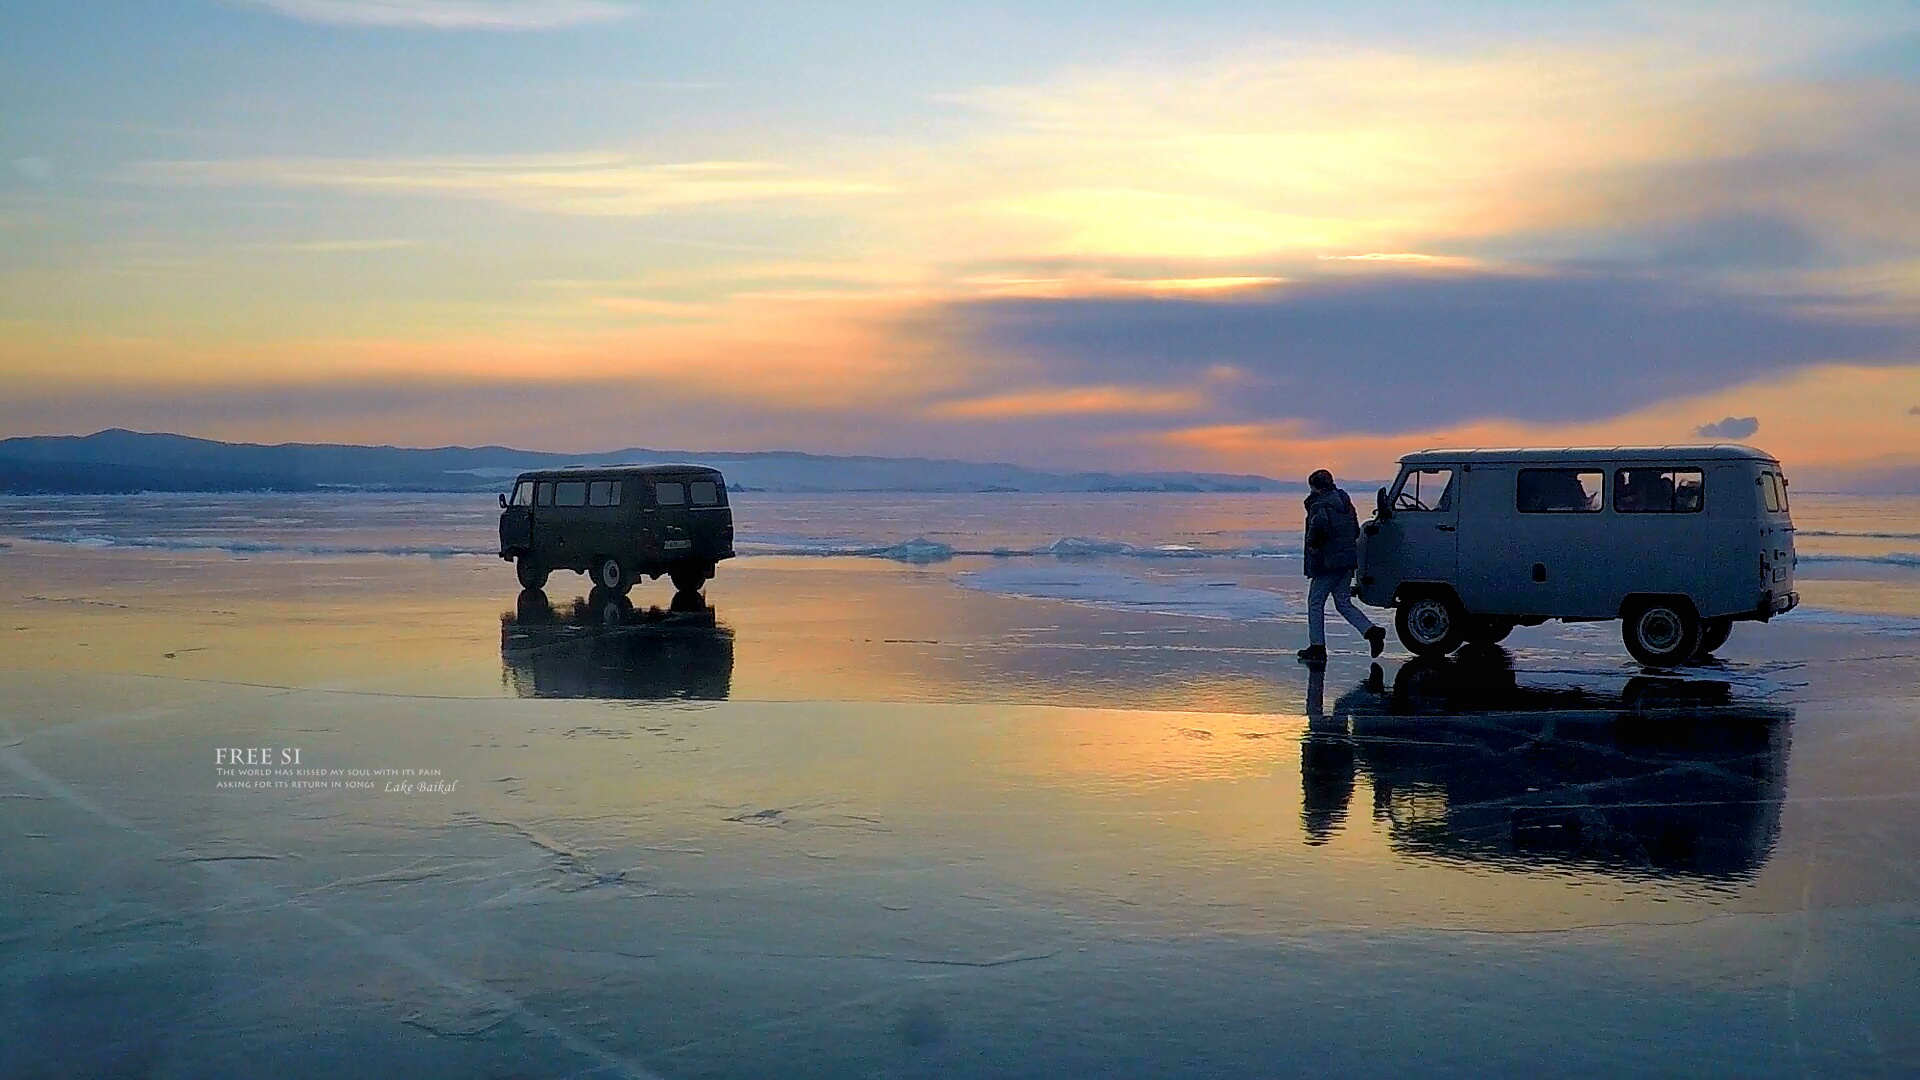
(1641, 490)
(1648, 491)
(1546, 491)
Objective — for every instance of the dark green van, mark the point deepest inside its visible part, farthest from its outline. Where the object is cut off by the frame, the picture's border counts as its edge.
(617, 523)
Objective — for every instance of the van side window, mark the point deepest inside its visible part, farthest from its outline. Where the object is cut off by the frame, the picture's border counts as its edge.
(570, 493)
(703, 493)
(523, 493)
(1425, 489)
(1558, 491)
(1659, 491)
(670, 493)
(604, 493)
(546, 493)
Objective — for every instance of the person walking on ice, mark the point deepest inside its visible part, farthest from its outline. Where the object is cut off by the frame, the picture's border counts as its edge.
(1333, 553)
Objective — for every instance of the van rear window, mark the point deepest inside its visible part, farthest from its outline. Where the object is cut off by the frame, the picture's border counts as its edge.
(703, 493)
(1773, 491)
(670, 493)
(1659, 491)
(570, 493)
(1558, 491)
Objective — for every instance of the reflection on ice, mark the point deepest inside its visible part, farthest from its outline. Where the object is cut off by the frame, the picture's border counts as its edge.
(1663, 778)
(604, 647)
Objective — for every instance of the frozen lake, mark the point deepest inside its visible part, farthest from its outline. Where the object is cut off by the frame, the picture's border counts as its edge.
(942, 812)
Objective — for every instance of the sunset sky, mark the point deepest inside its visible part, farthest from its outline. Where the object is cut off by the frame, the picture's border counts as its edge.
(1232, 236)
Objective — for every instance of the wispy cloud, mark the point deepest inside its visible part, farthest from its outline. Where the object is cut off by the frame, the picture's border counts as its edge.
(334, 247)
(604, 185)
(1065, 401)
(1409, 258)
(449, 14)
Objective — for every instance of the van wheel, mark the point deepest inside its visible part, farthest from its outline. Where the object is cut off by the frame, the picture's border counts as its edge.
(1430, 624)
(688, 579)
(1661, 633)
(610, 575)
(1713, 634)
(1483, 630)
(532, 574)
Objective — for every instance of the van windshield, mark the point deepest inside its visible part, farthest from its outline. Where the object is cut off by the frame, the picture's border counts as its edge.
(523, 493)
(1425, 489)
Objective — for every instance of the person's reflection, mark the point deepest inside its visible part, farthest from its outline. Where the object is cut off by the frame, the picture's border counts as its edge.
(1662, 777)
(1326, 760)
(603, 647)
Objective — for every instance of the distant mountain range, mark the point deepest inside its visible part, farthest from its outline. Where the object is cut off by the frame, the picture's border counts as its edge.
(119, 461)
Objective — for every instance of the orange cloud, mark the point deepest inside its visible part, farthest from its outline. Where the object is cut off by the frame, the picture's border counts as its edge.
(1069, 401)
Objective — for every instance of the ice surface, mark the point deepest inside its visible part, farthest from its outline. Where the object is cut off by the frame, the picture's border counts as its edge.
(1196, 597)
(982, 816)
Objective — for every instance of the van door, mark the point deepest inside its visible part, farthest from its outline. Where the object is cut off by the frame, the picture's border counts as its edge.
(572, 531)
(1495, 578)
(516, 521)
(1420, 542)
(1563, 537)
(711, 521)
(672, 522)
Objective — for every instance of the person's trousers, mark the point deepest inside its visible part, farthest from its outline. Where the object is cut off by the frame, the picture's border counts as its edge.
(1337, 586)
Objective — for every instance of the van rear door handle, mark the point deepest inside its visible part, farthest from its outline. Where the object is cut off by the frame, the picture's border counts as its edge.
(1444, 528)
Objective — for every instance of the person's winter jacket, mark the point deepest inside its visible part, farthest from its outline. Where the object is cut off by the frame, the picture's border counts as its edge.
(1333, 533)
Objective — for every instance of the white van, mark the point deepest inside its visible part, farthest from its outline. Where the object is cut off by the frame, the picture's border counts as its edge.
(1678, 542)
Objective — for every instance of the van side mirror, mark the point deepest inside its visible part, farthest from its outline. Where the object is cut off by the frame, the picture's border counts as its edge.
(503, 502)
(1382, 511)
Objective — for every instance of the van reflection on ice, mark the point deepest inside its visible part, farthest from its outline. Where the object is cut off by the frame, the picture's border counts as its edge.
(1664, 778)
(604, 647)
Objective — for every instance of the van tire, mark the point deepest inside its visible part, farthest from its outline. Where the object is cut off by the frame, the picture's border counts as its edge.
(688, 579)
(1661, 631)
(1713, 634)
(532, 574)
(610, 575)
(1430, 623)
(1487, 630)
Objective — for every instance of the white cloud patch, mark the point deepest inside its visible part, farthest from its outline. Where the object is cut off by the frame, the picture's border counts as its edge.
(35, 168)
(449, 14)
(1732, 427)
(610, 186)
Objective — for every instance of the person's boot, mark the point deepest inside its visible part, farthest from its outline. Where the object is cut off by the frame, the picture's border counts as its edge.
(1377, 639)
(1313, 654)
